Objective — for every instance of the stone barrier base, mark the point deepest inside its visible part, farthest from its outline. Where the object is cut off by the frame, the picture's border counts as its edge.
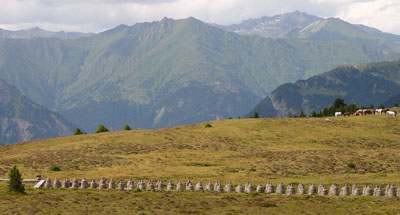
(280, 189)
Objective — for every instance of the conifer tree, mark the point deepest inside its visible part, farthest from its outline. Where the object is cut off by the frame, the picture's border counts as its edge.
(102, 129)
(127, 127)
(15, 183)
(78, 131)
(302, 114)
(256, 115)
(314, 113)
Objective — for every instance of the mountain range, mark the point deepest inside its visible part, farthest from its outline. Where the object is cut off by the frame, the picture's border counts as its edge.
(375, 83)
(304, 26)
(22, 120)
(175, 72)
(38, 32)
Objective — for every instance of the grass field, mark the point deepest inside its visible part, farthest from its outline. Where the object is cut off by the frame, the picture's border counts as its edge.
(258, 150)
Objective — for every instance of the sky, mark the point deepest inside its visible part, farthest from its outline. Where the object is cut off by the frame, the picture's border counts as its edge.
(100, 15)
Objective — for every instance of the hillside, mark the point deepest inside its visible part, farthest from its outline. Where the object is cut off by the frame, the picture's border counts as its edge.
(237, 150)
(310, 150)
(22, 120)
(165, 73)
(367, 84)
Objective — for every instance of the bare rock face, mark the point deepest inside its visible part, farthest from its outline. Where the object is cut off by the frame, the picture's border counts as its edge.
(47, 183)
(248, 188)
(170, 186)
(229, 187)
(312, 189)
(102, 184)
(66, 183)
(269, 188)
(367, 191)
(189, 186)
(84, 184)
(141, 185)
(259, 188)
(111, 184)
(150, 186)
(179, 186)
(160, 185)
(301, 190)
(239, 189)
(391, 192)
(210, 186)
(218, 187)
(57, 183)
(378, 191)
(130, 185)
(75, 184)
(280, 188)
(93, 185)
(121, 185)
(290, 190)
(333, 190)
(199, 186)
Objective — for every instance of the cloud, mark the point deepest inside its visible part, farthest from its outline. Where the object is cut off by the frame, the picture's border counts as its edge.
(98, 15)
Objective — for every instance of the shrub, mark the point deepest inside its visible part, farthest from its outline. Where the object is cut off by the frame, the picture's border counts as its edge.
(102, 129)
(256, 115)
(381, 106)
(351, 166)
(208, 125)
(15, 183)
(396, 105)
(55, 168)
(127, 127)
(78, 132)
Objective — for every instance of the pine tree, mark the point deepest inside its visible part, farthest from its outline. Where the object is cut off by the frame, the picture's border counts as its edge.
(102, 129)
(371, 106)
(302, 114)
(127, 127)
(314, 113)
(256, 115)
(78, 131)
(15, 183)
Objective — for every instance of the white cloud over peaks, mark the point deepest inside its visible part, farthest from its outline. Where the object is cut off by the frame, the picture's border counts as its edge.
(98, 15)
(381, 14)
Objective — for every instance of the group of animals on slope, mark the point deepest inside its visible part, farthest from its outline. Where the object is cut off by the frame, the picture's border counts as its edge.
(364, 112)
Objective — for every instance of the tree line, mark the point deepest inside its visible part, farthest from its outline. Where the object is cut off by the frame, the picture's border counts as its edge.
(338, 106)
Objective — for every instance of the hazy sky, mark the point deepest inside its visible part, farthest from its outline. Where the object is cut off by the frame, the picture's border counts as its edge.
(98, 15)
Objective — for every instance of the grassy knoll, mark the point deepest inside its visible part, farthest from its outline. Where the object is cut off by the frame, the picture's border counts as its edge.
(259, 150)
(237, 150)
